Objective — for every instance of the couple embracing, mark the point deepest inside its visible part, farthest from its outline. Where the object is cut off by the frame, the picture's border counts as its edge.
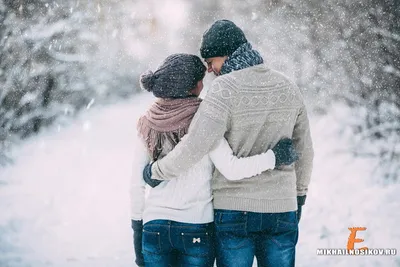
(226, 176)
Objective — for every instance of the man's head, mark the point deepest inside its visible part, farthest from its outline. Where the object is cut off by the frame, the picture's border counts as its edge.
(219, 42)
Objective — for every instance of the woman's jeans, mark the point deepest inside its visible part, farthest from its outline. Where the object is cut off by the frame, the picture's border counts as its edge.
(170, 243)
(240, 236)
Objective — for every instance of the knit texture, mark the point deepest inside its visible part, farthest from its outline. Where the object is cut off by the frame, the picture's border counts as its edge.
(221, 39)
(167, 121)
(245, 56)
(253, 109)
(177, 75)
(189, 198)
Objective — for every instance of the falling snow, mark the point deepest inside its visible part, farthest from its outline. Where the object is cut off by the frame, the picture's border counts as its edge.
(70, 97)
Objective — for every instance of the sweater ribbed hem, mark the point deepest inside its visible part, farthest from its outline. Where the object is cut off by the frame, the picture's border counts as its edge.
(255, 205)
(187, 219)
(200, 213)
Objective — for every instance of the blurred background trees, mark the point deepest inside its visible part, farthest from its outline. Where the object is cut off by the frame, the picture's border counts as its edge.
(54, 62)
(60, 57)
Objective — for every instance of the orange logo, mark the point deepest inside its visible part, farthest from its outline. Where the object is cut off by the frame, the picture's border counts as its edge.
(352, 238)
(350, 250)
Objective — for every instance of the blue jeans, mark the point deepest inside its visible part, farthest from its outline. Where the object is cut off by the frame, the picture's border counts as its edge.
(169, 243)
(271, 237)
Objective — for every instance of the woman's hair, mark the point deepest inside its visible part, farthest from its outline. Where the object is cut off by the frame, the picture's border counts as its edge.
(175, 77)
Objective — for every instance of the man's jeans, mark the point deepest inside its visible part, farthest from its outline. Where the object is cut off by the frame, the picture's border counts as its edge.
(169, 243)
(240, 236)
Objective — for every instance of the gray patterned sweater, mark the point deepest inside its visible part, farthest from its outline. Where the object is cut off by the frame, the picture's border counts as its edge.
(253, 109)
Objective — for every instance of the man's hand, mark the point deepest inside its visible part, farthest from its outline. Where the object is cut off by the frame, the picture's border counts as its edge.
(284, 151)
(301, 200)
(147, 176)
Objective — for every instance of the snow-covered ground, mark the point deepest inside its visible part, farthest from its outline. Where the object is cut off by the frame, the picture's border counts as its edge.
(65, 201)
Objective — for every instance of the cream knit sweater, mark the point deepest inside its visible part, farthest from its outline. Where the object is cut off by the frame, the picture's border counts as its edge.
(253, 109)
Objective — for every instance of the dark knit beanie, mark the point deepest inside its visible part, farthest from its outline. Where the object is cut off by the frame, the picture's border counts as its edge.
(222, 39)
(177, 75)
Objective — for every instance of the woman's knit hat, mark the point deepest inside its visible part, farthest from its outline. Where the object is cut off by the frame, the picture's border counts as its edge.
(221, 39)
(177, 75)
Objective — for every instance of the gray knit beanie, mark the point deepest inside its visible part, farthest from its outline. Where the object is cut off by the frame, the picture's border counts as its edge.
(221, 39)
(177, 75)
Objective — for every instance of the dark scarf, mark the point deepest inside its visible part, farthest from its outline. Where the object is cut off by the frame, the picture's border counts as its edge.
(167, 120)
(245, 56)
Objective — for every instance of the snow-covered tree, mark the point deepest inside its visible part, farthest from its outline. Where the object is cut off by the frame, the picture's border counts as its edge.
(356, 46)
(58, 57)
(374, 48)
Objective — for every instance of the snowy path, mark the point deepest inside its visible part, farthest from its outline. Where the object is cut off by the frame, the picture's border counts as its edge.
(65, 202)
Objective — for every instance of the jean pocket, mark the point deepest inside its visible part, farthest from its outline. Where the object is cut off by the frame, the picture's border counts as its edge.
(286, 231)
(286, 221)
(198, 244)
(226, 218)
(151, 242)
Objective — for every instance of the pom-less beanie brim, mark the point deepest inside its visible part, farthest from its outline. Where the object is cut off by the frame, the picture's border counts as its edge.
(221, 39)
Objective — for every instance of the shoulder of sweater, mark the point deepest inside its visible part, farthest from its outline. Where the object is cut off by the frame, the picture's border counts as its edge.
(230, 83)
(283, 77)
(234, 79)
(225, 81)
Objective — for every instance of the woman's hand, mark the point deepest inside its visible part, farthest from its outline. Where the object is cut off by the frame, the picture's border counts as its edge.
(137, 227)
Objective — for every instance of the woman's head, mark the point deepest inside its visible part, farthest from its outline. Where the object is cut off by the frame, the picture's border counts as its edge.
(179, 76)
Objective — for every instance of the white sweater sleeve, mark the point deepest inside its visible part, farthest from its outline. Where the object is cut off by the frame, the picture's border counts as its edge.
(138, 185)
(234, 168)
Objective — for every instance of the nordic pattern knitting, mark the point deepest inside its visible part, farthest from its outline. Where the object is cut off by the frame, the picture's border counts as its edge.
(227, 96)
(253, 108)
(245, 56)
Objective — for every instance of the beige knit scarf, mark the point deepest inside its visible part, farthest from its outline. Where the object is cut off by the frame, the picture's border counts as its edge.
(167, 120)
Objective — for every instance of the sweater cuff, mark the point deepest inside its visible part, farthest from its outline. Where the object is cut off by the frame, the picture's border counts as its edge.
(301, 200)
(270, 157)
(154, 171)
